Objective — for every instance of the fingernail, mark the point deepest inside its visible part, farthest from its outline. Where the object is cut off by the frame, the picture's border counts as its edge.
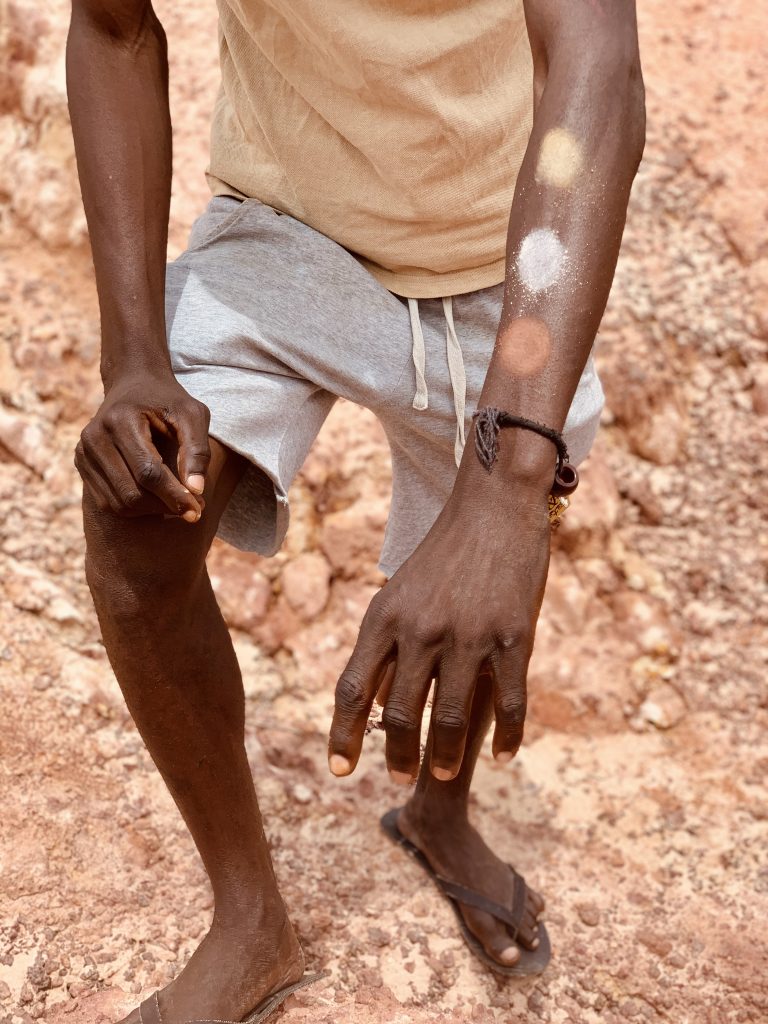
(196, 483)
(509, 955)
(504, 756)
(443, 774)
(191, 516)
(401, 778)
(535, 944)
(339, 765)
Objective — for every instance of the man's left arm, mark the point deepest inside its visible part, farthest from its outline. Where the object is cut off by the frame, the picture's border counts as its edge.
(468, 598)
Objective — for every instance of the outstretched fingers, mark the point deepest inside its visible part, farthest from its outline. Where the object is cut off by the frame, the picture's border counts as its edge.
(404, 710)
(357, 686)
(451, 712)
(509, 669)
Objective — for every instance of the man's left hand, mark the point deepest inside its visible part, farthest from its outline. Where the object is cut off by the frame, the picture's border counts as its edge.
(466, 601)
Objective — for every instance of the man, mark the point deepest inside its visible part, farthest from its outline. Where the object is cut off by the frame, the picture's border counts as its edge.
(368, 163)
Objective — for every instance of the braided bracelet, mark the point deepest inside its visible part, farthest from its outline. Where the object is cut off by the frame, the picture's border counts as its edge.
(490, 420)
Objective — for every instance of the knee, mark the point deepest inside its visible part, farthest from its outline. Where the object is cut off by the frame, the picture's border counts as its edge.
(134, 570)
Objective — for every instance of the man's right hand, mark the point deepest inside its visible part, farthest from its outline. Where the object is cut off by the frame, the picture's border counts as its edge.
(119, 452)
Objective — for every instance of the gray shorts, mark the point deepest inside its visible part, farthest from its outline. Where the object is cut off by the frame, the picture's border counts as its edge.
(269, 322)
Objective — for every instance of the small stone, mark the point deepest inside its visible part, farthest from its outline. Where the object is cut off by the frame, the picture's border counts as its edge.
(659, 944)
(646, 621)
(78, 988)
(663, 708)
(351, 539)
(379, 937)
(536, 1003)
(302, 794)
(566, 598)
(243, 591)
(38, 973)
(27, 439)
(588, 914)
(63, 611)
(306, 584)
(594, 510)
(676, 960)
(705, 618)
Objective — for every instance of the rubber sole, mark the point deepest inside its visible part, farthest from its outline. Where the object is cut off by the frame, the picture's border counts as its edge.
(149, 1011)
(271, 1004)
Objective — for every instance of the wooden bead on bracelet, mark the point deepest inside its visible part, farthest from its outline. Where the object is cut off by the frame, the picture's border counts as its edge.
(566, 480)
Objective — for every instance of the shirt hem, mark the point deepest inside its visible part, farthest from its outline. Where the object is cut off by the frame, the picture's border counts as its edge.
(429, 285)
(409, 284)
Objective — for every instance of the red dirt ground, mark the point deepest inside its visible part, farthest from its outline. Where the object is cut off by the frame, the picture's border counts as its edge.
(638, 804)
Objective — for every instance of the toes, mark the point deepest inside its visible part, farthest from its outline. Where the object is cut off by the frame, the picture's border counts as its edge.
(536, 901)
(527, 933)
(492, 935)
(501, 947)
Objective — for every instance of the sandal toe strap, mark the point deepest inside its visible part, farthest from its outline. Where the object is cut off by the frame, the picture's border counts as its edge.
(511, 917)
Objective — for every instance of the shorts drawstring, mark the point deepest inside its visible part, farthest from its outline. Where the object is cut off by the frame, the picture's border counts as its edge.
(420, 399)
(458, 377)
(456, 369)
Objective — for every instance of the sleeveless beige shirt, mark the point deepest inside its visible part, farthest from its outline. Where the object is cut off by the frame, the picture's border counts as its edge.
(395, 127)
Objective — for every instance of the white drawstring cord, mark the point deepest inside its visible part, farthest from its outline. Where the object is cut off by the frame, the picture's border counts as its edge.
(455, 369)
(420, 399)
(458, 377)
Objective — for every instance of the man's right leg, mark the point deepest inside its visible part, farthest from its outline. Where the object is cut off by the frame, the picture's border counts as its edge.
(174, 661)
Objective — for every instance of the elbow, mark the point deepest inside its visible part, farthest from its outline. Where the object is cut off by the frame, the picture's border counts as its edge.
(632, 98)
(617, 79)
(594, 70)
(611, 87)
(601, 82)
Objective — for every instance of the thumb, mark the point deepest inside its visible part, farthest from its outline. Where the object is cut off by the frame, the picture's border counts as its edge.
(191, 427)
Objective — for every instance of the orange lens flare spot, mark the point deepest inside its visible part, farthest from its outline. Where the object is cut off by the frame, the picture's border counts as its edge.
(524, 346)
(560, 159)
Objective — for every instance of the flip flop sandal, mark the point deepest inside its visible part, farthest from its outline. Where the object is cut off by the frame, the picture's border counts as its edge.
(149, 1011)
(532, 961)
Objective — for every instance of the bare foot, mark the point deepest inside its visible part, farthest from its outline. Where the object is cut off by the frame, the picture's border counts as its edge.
(233, 969)
(456, 851)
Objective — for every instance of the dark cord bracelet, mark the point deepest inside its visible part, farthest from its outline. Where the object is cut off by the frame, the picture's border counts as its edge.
(490, 420)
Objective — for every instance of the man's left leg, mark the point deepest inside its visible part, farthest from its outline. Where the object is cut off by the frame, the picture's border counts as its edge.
(435, 820)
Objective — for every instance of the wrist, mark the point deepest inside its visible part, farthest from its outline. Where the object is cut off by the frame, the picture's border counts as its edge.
(136, 366)
(523, 461)
(506, 494)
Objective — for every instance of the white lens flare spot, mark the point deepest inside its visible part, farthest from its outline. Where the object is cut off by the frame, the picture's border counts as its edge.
(541, 259)
(560, 159)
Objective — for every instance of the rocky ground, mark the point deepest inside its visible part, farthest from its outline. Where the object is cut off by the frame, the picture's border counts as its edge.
(638, 803)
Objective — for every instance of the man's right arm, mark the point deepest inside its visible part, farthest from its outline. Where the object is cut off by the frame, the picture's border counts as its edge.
(117, 82)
